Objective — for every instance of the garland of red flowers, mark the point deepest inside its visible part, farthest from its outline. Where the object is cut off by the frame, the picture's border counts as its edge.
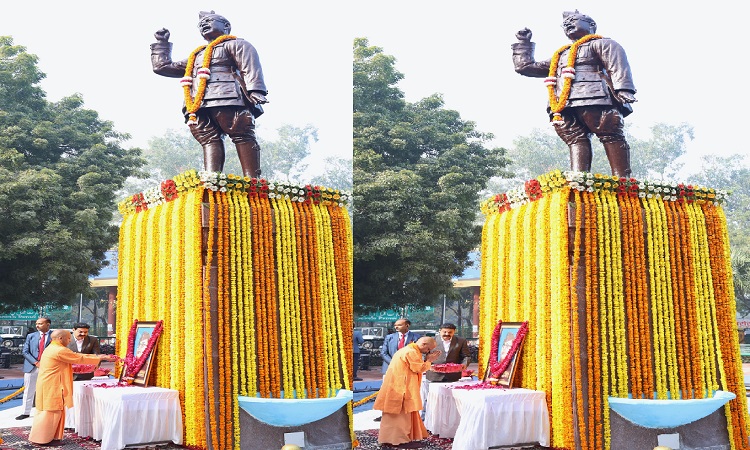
(132, 364)
(498, 367)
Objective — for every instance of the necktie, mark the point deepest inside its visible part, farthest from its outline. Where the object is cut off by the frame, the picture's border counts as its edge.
(401, 341)
(41, 346)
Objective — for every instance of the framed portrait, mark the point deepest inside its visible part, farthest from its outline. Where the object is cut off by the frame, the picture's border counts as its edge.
(143, 334)
(509, 344)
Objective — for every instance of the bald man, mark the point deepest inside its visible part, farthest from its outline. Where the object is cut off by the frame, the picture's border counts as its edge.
(54, 390)
(399, 397)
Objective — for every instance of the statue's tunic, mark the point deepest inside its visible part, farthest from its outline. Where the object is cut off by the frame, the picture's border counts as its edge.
(601, 67)
(235, 71)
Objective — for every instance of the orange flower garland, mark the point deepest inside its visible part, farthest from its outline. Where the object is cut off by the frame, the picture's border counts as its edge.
(575, 319)
(165, 243)
(595, 422)
(640, 278)
(726, 311)
(543, 326)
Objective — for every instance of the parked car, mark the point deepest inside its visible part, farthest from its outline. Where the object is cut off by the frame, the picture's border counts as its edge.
(12, 336)
(430, 333)
(373, 336)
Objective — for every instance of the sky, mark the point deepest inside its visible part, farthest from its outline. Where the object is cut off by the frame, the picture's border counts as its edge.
(687, 61)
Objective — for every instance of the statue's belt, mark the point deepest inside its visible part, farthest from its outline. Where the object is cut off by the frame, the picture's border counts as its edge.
(582, 68)
(224, 69)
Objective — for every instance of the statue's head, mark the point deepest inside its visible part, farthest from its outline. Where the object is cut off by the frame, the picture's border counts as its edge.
(577, 25)
(212, 25)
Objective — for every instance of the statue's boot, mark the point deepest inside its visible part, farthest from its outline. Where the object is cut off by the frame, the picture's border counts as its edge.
(580, 156)
(213, 156)
(249, 154)
(618, 154)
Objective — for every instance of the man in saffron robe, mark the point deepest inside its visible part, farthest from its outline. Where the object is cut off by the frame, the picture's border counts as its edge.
(399, 396)
(54, 390)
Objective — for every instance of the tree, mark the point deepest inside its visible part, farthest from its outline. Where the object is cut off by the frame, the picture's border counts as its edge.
(59, 168)
(418, 169)
(282, 159)
(657, 157)
(337, 175)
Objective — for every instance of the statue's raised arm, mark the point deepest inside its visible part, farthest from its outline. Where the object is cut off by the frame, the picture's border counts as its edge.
(590, 96)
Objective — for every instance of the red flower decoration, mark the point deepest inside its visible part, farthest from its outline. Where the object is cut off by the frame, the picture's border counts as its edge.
(169, 190)
(132, 364)
(498, 367)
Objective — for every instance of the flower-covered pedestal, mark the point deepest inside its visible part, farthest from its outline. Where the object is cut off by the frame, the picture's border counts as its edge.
(253, 281)
(627, 288)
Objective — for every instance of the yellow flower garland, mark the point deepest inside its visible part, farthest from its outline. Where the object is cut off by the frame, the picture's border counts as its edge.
(558, 104)
(165, 244)
(193, 104)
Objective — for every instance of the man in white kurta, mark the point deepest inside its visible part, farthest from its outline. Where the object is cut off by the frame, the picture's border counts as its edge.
(54, 390)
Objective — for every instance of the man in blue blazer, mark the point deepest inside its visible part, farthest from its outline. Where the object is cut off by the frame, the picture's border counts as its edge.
(394, 341)
(34, 342)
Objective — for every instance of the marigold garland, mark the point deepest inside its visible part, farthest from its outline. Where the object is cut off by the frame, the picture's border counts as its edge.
(575, 317)
(568, 73)
(672, 275)
(193, 104)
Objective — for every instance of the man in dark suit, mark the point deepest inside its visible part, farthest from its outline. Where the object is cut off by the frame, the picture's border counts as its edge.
(454, 350)
(33, 347)
(395, 341)
(83, 343)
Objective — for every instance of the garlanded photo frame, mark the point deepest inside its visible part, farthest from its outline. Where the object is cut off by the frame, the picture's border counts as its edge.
(506, 344)
(142, 341)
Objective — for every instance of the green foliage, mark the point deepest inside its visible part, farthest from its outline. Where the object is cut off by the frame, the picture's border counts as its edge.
(338, 174)
(542, 151)
(731, 173)
(283, 159)
(59, 168)
(418, 169)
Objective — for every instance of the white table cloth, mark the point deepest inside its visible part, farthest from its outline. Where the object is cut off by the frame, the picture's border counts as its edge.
(441, 415)
(495, 417)
(81, 416)
(132, 415)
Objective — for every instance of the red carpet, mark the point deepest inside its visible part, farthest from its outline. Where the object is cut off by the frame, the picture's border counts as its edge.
(368, 440)
(17, 438)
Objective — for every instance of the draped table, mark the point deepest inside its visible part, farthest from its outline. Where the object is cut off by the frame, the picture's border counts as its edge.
(494, 417)
(441, 415)
(129, 415)
(81, 416)
(483, 418)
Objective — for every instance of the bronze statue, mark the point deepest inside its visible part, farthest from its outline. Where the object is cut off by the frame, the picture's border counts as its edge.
(590, 92)
(224, 91)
